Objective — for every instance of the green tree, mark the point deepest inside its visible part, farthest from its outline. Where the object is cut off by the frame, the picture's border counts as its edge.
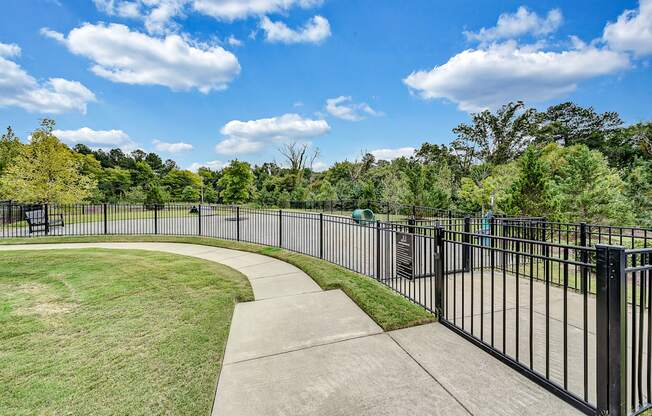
(190, 194)
(587, 188)
(177, 180)
(638, 190)
(531, 193)
(115, 184)
(10, 147)
(46, 170)
(155, 196)
(236, 183)
(495, 138)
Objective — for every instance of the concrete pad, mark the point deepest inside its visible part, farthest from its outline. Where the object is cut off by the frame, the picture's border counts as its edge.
(480, 382)
(274, 268)
(273, 326)
(370, 376)
(283, 285)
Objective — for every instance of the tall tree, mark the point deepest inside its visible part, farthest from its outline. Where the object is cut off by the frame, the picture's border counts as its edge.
(495, 138)
(531, 194)
(569, 124)
(236, 183)
(10, 147)
(46, 170)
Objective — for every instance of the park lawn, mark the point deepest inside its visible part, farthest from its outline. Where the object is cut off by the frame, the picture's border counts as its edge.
(108, 332)
(387, 308)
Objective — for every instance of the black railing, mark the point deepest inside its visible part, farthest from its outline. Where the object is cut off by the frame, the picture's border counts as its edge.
(537, 295)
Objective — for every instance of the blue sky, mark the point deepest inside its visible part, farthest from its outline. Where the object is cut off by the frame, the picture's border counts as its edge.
(206, 81)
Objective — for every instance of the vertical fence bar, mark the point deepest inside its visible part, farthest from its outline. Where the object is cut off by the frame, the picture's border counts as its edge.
(199, 219)
(378, 249)
(321, 235)
(611, 331)
(280, 228)
(104, 217)
(156, 218)
(440, 272)
(466, 245)
(237, 223)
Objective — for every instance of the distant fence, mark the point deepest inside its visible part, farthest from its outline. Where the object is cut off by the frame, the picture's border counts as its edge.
(558, 302)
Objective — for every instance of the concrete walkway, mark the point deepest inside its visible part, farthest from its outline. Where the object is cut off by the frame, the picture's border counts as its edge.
(298, 350)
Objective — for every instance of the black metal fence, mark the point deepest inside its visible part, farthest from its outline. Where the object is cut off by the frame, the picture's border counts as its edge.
(554, 301)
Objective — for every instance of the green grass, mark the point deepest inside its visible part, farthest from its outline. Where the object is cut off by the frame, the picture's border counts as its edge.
(387, 308)
(112, 332)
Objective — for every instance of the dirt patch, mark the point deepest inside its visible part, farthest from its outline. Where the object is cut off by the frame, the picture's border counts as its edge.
(47, 309)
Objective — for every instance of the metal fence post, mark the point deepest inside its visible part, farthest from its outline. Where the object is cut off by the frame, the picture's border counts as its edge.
(156, 218)
(199, 219)
(439, 271)
(237, 222)
(611, 331)
(584, 258)
(280, 228)
(414, 211)
(321, 235)
(47, 219)
(378, 249)
(466, 246)
(104, 218)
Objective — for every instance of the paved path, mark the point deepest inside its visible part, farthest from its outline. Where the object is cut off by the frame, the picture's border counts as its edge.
(298, 350)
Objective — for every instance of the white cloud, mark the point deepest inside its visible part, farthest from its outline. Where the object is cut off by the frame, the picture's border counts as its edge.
(125, 56)
(514, 25)
(476, 79)
(343, 107)
(8, 50)
(314, 31)
(171, 147)
(391, 154)
(251, 136)
(54, 96)
(240, 9)
(158, 15)
(212, 164)
(233, 41)
(238, 145)
(96, 138)
(632, 31)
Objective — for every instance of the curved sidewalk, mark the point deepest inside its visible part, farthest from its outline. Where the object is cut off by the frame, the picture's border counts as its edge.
(298, 350)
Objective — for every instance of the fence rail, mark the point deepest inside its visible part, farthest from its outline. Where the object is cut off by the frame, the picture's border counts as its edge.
(554, 301)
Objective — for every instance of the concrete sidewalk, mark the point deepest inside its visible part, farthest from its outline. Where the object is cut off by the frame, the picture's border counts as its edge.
(298, 350)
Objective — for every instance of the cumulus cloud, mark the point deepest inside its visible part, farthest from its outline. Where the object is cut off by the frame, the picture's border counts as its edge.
(54, 96)
(391, 154)
(158, 15)
(316, 30)
(476, 79)
(514, 25)
(211, 164)
(8, 50)
(130, 57)
(632, 31)
(97, 138)
(171, 147)
(343, 107)
(240, 9)
(251, 136)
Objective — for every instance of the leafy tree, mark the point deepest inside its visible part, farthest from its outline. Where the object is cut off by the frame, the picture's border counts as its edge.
(190, 194)
(46, 170)
(177, 180)
(114, 184)
(588, 189)
(326, 191)
(626, 145)
(236, 183)
(155, 196)
(142, 175)
(638, 190)
(10, 147)
(569, 124)
(495, 138)
(531, 193)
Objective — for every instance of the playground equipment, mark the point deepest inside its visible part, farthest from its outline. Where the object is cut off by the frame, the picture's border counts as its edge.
(363, 216)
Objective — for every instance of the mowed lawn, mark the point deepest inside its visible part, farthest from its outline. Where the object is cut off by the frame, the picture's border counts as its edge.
(112, 332)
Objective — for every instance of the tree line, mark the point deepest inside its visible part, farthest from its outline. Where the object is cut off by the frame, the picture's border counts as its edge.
(567, 163)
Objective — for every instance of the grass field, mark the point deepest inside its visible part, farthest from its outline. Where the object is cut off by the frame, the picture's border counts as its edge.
(387, 308)
(112, 332)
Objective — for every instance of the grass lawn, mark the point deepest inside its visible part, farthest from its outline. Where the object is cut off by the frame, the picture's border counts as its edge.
(112, 332)
(389, 309)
